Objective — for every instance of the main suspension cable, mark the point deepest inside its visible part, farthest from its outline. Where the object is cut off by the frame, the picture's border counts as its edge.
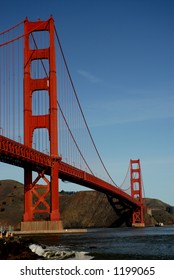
(75, 93)
(11, 28)
(46, 73)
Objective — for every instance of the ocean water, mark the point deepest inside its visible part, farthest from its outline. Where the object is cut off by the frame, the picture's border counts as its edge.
(108, 243)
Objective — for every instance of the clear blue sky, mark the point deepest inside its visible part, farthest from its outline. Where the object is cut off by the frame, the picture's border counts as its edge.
(121, 57)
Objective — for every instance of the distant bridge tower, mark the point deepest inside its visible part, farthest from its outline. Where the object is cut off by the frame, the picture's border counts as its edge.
(40, 199)
(136, 192)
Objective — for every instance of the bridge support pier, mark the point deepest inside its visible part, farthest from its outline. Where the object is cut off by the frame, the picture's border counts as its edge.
(41, 201)
(138, 225)
(41, 226)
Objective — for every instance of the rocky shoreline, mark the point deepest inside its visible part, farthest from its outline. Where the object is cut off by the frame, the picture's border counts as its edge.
(16, 248)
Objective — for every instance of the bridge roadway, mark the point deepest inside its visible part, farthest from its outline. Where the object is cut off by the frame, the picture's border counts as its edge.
(17, 154)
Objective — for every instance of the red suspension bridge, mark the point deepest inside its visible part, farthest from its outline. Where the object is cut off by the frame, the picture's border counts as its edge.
(43, 128)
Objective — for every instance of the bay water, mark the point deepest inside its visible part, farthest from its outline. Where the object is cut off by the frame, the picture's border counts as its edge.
(108, 243)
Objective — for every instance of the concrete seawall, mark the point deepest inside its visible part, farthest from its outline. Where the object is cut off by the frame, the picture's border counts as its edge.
(43, 232)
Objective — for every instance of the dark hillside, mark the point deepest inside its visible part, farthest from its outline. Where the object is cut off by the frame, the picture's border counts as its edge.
(78, 210)
(159, 211)
(155, 203)
(11, 202)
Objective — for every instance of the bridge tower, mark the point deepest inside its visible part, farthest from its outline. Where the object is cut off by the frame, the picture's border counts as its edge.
(41, 199)
(136, 192)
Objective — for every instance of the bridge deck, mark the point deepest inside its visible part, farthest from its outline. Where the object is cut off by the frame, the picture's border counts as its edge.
(18, 154)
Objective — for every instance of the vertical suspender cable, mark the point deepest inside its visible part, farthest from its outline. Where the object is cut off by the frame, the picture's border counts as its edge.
(0, 94)
(13, 89)
(7, 92)
(17, 94)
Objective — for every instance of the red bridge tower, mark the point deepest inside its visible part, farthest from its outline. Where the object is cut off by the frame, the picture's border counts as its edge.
(136, 192)
(41, 199)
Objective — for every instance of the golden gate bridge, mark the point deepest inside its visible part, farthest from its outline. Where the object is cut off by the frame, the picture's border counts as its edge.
(43, 128)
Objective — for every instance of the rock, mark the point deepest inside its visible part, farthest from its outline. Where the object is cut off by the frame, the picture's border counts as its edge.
(15, 249)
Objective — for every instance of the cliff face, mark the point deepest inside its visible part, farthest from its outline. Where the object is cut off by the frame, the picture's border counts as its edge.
(86, 209)
(78, 210)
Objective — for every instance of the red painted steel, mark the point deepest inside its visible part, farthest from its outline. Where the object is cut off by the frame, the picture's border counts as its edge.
(48, 121)
(17, 154)
(75, 175)
(66, 172)
(136, 191)
(25, 156)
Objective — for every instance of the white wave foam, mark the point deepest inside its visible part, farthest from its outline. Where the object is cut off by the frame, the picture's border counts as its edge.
(56, 253)
(82, 256)
(37, 249)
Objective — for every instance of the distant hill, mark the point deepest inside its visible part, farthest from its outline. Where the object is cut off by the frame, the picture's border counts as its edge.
(159, 212)
(155, 203)
(78, 210)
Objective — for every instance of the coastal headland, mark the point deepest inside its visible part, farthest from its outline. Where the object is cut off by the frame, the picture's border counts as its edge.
(80, 210)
